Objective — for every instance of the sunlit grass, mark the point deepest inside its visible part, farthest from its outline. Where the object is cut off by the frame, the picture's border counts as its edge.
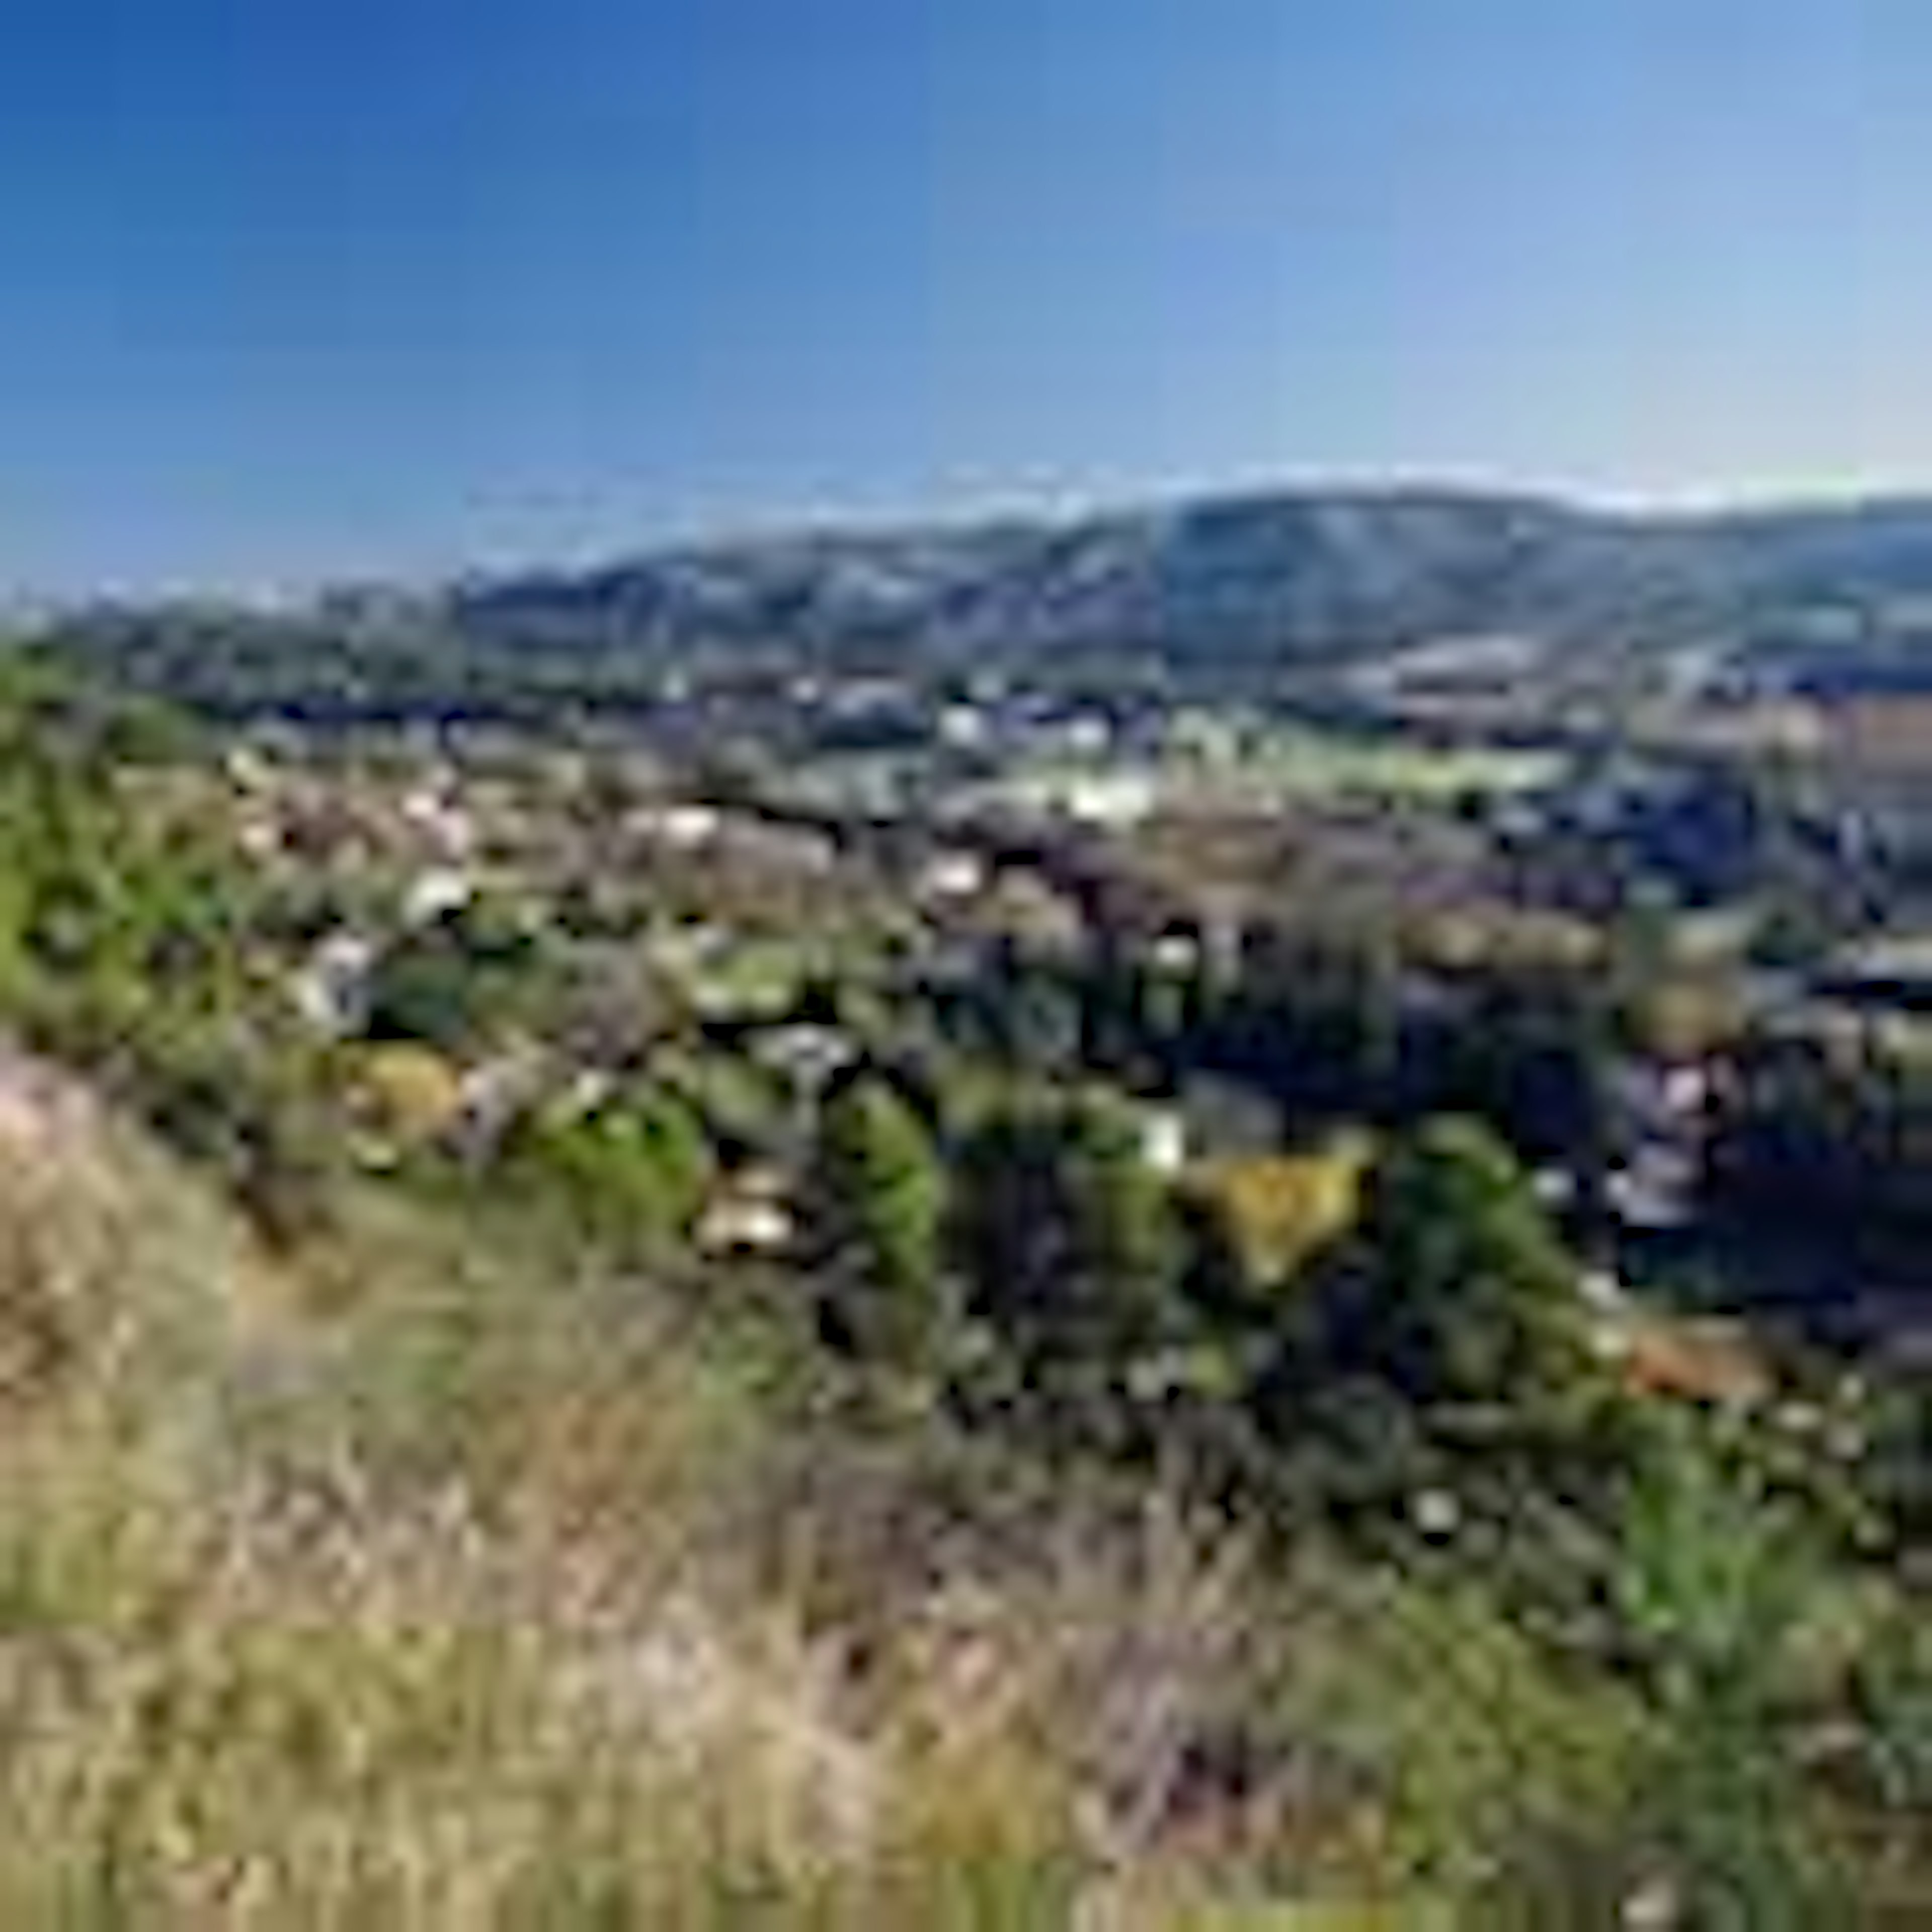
(426, 1577)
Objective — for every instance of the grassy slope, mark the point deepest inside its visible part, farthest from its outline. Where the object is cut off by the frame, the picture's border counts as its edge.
(418, 1583)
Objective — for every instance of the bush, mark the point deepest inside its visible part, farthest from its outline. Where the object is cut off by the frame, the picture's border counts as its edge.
(628, 1174)
(884, 1204)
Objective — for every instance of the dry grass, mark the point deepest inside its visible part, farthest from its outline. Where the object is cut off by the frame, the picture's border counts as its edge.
(406, 1603)
(417, 1584)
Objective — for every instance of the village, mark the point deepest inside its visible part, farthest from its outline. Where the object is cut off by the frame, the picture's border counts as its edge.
(752, 899)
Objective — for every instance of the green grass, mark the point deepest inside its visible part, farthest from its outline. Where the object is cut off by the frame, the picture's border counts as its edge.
(1319, 763)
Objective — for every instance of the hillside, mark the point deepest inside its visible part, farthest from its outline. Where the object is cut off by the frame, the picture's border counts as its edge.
(427, 1499)
(1295, 579)
(406, 1580)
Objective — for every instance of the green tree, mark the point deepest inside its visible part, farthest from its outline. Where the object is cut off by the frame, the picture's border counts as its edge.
(628, 1173)
(1438, 1360)
(456, 980)
(1473, 1291)
(1714, 1584)
(1074, 1247)
(884, 1198)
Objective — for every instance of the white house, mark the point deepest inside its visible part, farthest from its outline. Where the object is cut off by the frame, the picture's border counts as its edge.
(330, 987)
(953, 875)
(1164, 1140)
(436, 893)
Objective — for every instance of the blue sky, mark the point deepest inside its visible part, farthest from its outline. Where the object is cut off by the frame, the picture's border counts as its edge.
(295, 288)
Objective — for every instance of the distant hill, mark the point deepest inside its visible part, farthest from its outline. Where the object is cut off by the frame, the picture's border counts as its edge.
(1290, 579)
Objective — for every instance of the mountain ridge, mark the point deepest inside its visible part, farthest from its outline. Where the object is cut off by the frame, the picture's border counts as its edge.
(1257, 579)
(1271, 573)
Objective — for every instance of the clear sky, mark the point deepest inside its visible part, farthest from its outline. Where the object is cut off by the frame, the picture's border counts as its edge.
(300, 287)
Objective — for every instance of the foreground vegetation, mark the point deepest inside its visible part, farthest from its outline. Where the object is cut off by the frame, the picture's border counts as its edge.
(400, 1527)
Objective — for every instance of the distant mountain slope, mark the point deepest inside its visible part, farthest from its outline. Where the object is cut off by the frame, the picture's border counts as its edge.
(1276, 576)
(1291, 578)
(1286, 575)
